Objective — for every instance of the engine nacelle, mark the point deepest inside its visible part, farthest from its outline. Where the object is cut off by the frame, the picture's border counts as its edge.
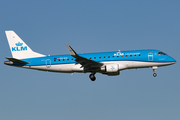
(111, 68)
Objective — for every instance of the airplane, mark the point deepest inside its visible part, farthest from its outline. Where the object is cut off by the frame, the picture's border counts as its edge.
(108, 63)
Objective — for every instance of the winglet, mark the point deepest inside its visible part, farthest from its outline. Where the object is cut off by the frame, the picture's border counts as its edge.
(85, 62)
(71, 51)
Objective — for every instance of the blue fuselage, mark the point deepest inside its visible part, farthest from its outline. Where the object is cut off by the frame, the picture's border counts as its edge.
(133, 55)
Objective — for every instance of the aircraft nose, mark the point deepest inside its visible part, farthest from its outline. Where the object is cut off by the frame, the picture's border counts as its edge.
(172, 60)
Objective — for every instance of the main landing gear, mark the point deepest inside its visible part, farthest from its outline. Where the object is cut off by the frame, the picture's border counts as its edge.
(154, 69)
(92, 77)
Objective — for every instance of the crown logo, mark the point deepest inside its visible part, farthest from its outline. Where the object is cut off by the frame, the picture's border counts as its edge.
(112, 68)
(19, 44)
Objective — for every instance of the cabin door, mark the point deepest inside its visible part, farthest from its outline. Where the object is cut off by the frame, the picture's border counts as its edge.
(48, 63)
(150, 56)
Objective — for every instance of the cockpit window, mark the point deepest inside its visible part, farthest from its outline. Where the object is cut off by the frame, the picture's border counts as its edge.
(161, 53)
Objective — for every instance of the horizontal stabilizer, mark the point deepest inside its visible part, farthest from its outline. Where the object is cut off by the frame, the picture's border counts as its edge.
(16, 60)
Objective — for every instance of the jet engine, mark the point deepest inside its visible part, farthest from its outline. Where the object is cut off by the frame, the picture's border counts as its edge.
(112, 69)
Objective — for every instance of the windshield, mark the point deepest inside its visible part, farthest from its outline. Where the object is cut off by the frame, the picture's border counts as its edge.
(161, 53)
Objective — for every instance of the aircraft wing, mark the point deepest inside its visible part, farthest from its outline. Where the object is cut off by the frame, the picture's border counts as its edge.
(86, 63)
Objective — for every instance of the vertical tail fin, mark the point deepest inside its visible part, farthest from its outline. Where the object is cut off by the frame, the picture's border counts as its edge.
(18, 47)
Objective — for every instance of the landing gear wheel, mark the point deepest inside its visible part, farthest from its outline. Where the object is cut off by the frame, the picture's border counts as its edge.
(92, 77)
(154, 74)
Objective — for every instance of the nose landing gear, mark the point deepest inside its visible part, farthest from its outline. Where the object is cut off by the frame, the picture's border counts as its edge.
(154, 69)
(154, 74)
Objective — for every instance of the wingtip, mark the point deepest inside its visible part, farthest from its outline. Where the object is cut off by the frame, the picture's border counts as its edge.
(67, 45)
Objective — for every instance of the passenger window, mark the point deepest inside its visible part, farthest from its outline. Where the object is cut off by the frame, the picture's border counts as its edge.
(67, 59)
(104, 57)
(121, 55)
(113, 56)
(54, 59)
(135, 55)
(94, 57)
(99, 57)
(139, 54)
(130, 55)
(126, 55)
(90, 58)
(108, 56)
(63, 59)
(71, 59)
(117, 56)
